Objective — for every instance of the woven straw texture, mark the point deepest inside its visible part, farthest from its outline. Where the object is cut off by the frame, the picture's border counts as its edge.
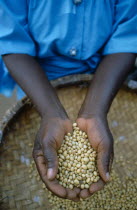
(20, 184)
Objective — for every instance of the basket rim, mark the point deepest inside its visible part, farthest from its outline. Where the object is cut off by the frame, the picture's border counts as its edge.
(70, 80)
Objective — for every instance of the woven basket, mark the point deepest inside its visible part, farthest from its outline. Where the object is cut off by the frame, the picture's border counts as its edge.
(19, 189)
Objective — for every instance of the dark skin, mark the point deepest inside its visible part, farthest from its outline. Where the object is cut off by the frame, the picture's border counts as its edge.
(55, 123)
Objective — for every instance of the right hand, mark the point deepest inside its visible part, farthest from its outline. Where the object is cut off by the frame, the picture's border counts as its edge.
(101, 140)
(48, 140)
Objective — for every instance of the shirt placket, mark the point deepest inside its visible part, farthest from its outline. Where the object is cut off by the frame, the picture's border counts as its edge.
(76, 51)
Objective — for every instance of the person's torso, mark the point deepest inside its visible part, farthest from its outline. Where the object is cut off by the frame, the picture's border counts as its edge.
(77, 30)
(68, 36)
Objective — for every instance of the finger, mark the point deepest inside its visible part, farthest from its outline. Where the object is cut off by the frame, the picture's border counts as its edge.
(53, 186)
(77, 190)
(72, 195)
(40, 162)
(104, 161)
(51, 158)
(96, 186)
(85, 194)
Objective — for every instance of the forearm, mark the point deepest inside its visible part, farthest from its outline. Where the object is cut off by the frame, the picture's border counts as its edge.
(109, 77)
(32, 79)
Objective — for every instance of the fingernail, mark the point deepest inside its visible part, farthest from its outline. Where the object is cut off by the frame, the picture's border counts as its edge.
(50, 173)
(107, 176)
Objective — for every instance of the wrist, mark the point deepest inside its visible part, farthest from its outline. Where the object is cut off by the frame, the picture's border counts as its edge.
(95, 104)
(88, 111)
(54, 112)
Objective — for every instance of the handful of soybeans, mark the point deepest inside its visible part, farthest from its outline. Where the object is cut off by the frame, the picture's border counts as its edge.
(77, 161)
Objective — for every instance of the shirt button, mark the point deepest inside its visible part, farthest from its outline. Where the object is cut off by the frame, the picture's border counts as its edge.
(77, 1)
(73, 52)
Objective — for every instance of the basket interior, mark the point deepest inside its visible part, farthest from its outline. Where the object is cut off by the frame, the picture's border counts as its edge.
(19, 189)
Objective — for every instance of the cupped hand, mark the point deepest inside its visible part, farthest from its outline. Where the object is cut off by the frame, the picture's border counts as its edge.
(47, 142)
(101, 140)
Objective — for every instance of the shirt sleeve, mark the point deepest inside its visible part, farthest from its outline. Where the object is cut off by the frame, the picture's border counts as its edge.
(124, 35)
(14, 30)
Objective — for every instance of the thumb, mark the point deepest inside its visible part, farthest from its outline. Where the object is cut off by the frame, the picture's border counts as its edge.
(51, 158)
(104, 162)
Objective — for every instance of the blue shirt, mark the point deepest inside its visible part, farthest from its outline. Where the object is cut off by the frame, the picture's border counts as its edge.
(66, 36)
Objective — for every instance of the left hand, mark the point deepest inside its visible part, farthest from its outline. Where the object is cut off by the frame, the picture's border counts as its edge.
(101, 140)
(47, 142)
